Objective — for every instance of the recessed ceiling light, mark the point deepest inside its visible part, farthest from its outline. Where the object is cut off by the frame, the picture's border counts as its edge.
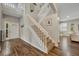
(67, 16)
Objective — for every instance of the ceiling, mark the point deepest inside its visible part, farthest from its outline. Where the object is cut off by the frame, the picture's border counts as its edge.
(68, 11)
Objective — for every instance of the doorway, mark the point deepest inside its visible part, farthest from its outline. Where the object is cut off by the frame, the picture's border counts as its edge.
(11, 29)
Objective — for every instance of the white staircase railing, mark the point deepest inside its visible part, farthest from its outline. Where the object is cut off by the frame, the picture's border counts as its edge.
(43, 12)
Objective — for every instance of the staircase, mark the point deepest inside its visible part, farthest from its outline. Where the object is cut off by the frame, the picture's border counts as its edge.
(35, 20)
(48, 41)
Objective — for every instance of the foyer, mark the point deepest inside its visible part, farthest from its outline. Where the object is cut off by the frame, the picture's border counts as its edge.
(39, 29)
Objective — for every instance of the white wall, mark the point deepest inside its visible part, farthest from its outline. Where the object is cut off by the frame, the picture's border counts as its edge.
(24, 31)
(53, 28)
(11, 19)
(0, 16)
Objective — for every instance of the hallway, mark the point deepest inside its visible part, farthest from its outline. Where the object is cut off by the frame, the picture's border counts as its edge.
(18, 47)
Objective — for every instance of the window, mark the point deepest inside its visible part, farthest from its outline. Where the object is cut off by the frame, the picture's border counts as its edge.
(6, 29)
(63, 27)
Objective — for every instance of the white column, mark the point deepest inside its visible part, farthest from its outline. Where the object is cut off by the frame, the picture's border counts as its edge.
(24, 22)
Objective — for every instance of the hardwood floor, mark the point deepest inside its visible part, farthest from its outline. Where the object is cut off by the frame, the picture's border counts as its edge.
(18, 47)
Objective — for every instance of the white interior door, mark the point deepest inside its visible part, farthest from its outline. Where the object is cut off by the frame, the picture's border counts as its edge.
(14, 30)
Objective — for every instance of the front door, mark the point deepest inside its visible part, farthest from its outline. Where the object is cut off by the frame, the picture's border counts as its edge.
(11, 30)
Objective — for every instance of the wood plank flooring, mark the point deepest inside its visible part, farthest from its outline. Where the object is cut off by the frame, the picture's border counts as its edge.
(18, 47)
